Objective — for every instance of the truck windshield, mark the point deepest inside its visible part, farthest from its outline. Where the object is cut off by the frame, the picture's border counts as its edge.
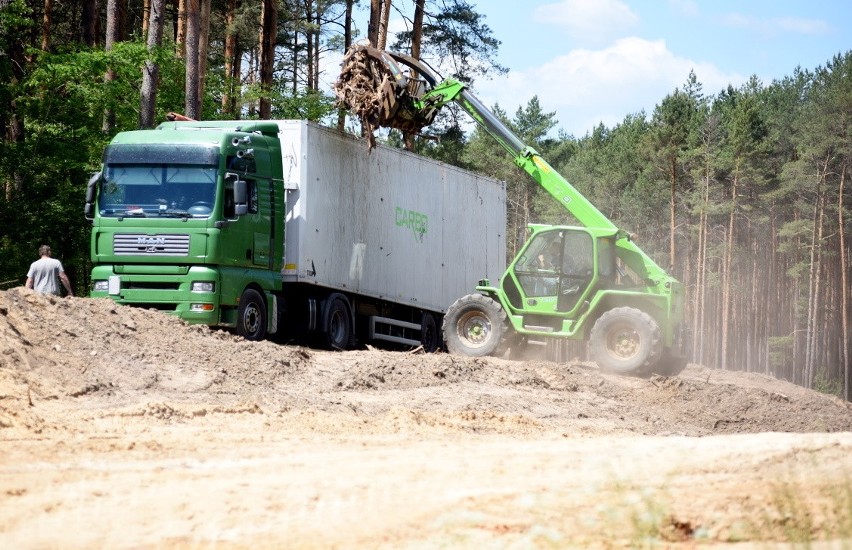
(158, 190)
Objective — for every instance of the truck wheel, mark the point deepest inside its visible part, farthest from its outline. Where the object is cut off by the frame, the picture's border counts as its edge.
(251, 316)
(474, 326)
(337, 328)
(625, 340)
(430, 337)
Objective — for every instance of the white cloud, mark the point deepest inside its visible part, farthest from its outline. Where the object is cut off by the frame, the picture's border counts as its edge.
(802, 26)
(588, 21)
(586, 87)
(776, 25)
(685, 7)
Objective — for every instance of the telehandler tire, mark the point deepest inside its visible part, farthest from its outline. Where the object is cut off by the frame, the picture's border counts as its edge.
(474, 326)
(625, 340)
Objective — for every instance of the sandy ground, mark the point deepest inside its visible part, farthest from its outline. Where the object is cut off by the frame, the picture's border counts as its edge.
(124, 428)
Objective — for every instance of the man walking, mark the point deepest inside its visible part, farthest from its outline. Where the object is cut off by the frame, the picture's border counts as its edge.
(46, 273)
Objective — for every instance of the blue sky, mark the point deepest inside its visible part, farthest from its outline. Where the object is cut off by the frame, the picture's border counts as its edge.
(595, 61)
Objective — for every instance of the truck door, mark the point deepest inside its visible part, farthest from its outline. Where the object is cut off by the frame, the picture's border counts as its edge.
(251, 234)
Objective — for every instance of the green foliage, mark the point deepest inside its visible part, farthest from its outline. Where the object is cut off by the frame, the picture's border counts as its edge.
(62, 102)
(454, 31)
(824, 383)
(780, 348)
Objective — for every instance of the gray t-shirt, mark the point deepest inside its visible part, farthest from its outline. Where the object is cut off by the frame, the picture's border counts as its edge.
(45, 275)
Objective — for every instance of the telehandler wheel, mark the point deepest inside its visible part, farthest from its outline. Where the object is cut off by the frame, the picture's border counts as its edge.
(625, 340)
(251, 315)
(474, 326)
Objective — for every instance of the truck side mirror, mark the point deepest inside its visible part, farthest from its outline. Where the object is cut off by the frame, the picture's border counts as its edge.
(239, 194)
(91, 191)
(240, 198)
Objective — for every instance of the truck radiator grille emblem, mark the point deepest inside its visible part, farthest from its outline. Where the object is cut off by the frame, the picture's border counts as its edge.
(137, 244)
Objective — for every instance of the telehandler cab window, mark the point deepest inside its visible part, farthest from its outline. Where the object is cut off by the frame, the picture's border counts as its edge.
(578, 260)
(538, 269)
(606, 257)
(556, 259)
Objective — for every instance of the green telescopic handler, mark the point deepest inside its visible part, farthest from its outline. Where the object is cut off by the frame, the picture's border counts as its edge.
(588, 282)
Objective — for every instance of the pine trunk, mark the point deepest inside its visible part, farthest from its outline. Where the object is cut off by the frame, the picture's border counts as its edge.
(812, 326)
(317, 52)
(113, 21)
(269, 26)
(347, 42)
(375, 18)
(180, 27)
(844, 287)
(16, 129)
(416, 39)
(146, 15)
(151, 71)
(383, 25)
(89, 23)
(232, 62)
(46, 25)
(672, 219)
(309, 40)
(701, 273)
(193, 23)
(726, 272)
(203, 47)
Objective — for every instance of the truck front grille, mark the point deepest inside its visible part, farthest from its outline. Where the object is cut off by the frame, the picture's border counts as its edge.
(139, 244)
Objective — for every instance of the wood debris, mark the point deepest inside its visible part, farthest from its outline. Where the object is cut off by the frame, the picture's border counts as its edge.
(371, 88)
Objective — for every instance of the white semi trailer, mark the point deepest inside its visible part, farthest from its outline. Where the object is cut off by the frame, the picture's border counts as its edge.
(289, 228)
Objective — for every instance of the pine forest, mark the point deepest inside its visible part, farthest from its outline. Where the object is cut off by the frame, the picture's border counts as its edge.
(743, 193)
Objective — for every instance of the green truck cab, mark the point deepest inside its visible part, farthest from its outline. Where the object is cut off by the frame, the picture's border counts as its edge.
(168, 195)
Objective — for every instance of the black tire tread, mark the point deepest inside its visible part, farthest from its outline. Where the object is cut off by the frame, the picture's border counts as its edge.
(642, 320)
(485, 304)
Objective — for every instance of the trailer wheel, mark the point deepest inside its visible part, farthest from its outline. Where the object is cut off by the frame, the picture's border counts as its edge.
(337, 325)
(626, 340)
(251, 316)
(474, 326)
(430, 337)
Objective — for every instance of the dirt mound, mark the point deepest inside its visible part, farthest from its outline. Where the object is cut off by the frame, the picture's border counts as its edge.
(190, 437)
(91, 355)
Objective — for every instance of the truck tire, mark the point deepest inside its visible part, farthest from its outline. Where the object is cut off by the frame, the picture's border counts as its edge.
(337, 323)
(625, 340)
(430, 337)
(251, 315)
(474, 326)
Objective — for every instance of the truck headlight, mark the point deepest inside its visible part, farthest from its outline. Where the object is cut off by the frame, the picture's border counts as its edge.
(203, 286)
(100, 286)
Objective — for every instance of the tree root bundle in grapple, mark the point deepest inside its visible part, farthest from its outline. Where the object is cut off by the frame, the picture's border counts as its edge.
(370, 87)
